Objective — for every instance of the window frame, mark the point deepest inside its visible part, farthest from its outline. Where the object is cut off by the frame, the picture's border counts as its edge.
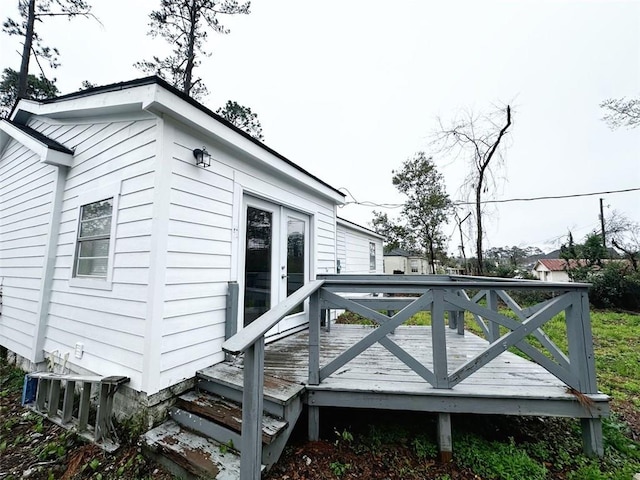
(87, 281)
(414, 265)
(372, 257)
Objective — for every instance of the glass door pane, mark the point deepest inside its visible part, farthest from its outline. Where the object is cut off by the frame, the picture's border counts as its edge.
(295, 257)
(258, 261)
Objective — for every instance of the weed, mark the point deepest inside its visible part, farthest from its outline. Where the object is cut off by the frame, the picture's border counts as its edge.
(226, 447)
(345, 436)
(497, 460)
(339, 468)
(424, 447)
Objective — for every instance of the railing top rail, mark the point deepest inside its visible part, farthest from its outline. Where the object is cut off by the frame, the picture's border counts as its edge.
(444, 281)
(250, 334)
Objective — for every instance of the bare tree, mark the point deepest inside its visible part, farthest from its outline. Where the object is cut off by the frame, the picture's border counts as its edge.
(479, 140)
(621, 112)
(625, 237)
(184, 24)
(30, 12)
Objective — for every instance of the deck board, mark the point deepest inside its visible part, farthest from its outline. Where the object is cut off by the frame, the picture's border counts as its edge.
(509, 381)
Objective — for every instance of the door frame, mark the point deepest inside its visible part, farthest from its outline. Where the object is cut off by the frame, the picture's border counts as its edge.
(280, 212)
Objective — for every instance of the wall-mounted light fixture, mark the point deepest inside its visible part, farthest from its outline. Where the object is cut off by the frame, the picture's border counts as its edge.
(203, 158)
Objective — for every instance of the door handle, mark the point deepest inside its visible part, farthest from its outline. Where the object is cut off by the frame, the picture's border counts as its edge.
(283, 276)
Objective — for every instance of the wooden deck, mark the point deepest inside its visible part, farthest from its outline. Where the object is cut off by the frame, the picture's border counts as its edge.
(435, 368)
(509, 384)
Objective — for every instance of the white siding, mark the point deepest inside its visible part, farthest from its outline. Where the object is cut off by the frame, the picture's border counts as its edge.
(26, 192)
(392, 263)
(353, 250)
(110, 323)
(202, 247)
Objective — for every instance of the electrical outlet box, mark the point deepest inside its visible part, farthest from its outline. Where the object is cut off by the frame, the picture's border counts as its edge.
(79, 349)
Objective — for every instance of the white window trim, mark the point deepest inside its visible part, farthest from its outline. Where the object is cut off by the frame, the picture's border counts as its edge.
(102, 193)
(374, 257)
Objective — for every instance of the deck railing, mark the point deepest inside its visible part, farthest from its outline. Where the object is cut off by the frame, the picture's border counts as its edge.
(403, 296)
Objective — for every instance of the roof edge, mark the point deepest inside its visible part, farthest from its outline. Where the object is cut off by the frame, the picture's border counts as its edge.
(156, 80)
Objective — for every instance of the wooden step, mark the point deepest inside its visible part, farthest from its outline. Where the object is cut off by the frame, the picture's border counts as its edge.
(227, 413)
(189, 455)
(276, 390)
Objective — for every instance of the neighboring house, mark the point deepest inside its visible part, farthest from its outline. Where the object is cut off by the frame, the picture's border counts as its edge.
(554, 269)
(359, 250)
(401, 261)
(117, 249)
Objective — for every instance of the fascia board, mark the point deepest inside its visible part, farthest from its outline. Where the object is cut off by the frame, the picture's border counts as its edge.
(165, 102)
(46, 154)
(129, 99)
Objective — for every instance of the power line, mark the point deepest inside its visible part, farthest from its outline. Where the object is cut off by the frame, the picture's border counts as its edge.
(506, 200)
(551, 197)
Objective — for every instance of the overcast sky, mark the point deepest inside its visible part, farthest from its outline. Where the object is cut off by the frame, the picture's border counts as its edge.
(350, 89)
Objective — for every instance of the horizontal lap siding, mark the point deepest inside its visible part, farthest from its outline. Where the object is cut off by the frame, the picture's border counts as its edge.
(26, 188)
(110, 323)
(198, 267)
(357, 252)
(199, 256)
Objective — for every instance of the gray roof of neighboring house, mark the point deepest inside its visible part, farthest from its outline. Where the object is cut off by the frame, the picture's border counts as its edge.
(399, 252)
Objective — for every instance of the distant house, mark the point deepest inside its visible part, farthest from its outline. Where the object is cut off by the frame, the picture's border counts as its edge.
(399, 261)
(117, 249)
(358, 249)
(555, 269)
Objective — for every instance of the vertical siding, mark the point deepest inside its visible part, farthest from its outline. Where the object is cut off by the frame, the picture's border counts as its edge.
(26, 188)
(110, 323)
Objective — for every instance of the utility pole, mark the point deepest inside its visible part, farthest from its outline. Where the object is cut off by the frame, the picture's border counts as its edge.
(604, 239)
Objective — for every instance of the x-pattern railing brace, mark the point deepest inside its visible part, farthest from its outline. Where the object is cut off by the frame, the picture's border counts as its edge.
(386, 326)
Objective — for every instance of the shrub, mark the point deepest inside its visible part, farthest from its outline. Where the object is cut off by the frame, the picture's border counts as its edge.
(615, 287)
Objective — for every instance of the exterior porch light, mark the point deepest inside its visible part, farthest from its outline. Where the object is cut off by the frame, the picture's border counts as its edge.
(203, 158)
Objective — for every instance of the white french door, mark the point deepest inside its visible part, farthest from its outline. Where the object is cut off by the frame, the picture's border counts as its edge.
(274, 261)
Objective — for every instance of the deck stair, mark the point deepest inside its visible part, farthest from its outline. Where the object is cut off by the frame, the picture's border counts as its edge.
(203, 437)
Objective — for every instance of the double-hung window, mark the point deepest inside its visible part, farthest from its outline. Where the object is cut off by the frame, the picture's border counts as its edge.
(94, 236)
(414, 265)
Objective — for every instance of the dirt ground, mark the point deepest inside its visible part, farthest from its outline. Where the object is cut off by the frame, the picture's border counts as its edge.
(34, 448)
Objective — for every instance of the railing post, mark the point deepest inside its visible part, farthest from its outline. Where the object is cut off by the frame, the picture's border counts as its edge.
(439, 340)
(314, 362)
(231, 320)
(252, 406)
(580, 341)
(314, 338)
(582, 361)
(492, 304)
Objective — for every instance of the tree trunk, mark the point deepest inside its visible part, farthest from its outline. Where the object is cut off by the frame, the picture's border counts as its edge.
(188, 71)
(26, 51)
(432, 260)
(479, 258)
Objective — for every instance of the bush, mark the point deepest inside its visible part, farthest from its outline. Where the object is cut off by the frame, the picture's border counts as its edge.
(615, 287)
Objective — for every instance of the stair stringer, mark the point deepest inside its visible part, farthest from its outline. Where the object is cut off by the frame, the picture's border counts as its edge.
(271, 452)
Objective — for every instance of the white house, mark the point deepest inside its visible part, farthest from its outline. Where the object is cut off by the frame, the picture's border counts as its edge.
(359, 249)
(117, 249)
(404, 262)
(551, 270)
